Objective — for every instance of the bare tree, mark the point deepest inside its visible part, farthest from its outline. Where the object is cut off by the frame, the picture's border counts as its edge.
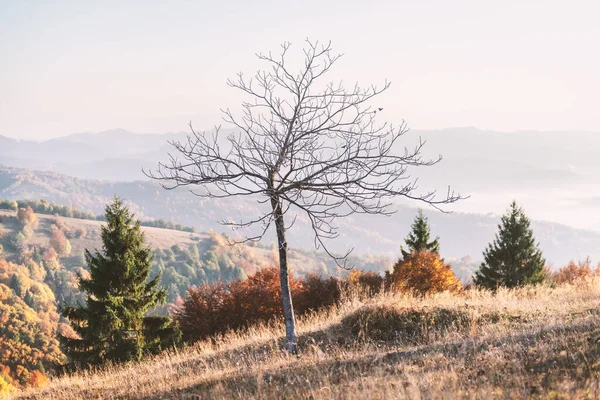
(301, 144)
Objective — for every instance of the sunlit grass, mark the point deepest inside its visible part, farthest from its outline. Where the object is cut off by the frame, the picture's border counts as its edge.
(531, 342)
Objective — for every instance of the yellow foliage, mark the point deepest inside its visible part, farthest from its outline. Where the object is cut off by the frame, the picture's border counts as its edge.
(218, 240)
(6, 388)
(423, 272)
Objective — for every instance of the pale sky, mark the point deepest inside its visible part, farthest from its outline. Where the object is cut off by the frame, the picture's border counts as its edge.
(78, 66)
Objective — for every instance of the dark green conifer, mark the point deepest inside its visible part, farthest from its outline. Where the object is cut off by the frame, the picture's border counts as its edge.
(418, 238)
(30, 300)
(513, 259)
(113, 324)
(16, 284)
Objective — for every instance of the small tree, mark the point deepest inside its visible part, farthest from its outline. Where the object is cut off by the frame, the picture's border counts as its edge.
(418, 239)
(113, 324)
(306, 147)
(59, 242)
(17, 285)
(513, 259)
(422, 272)
(27, 217)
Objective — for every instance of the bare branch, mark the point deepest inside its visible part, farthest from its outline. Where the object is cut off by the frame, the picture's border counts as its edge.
(301, 144)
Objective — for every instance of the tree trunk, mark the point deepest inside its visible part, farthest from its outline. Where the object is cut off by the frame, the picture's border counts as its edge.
(286, 295)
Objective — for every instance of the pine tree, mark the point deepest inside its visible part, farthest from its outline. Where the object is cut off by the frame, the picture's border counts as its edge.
(418, 239)
(113, 324)
(513, 259)
(30, 300)
(16, 284)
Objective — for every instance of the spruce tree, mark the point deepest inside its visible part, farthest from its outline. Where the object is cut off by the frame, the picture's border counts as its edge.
(418, 239)
(513, 259)
(113, 324)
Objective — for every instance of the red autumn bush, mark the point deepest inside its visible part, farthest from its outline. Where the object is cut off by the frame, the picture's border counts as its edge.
(215, 308)
(258, 298)
(317, 293)
(205, 312)
(218, 307)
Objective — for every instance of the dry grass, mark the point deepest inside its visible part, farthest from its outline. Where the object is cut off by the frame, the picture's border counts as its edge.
(157, 238)
(528, 343)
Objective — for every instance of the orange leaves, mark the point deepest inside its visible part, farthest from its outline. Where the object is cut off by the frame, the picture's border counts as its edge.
(217, 239)
(27, 217)
(368, 281)
(59, 242)
(572, 273)
(422, 272)
(27, 327)
(215, 308)
(37, 379)
(205, 312)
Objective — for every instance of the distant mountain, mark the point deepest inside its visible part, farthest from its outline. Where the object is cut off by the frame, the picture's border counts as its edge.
(461, 233)
(109, 155)
(473, 159)
(555, 175)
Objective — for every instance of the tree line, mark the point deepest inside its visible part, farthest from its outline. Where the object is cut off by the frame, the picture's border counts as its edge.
(51, 208)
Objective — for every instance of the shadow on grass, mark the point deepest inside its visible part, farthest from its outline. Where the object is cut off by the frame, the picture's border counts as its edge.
(572, 357)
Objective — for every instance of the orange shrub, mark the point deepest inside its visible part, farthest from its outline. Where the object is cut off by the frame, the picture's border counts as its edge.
(572, 272)
(37, 379)
(60, 224)
(422, 272)
(50, 258)
(368, 281)
(27, 217)
(59, 241)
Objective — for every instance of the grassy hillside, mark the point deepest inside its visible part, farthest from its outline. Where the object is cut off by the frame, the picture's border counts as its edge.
(157, 238)
(526, 343)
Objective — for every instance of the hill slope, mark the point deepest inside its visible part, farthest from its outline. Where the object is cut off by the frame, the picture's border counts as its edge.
(539, 343)
(183, 258)
(157, 238)
(461, 234)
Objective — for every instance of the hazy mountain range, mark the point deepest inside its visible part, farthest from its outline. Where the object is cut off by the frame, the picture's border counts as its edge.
(555, 175)
(513, 159)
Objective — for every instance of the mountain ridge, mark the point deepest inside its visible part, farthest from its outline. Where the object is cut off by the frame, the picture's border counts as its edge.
(461, 233)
